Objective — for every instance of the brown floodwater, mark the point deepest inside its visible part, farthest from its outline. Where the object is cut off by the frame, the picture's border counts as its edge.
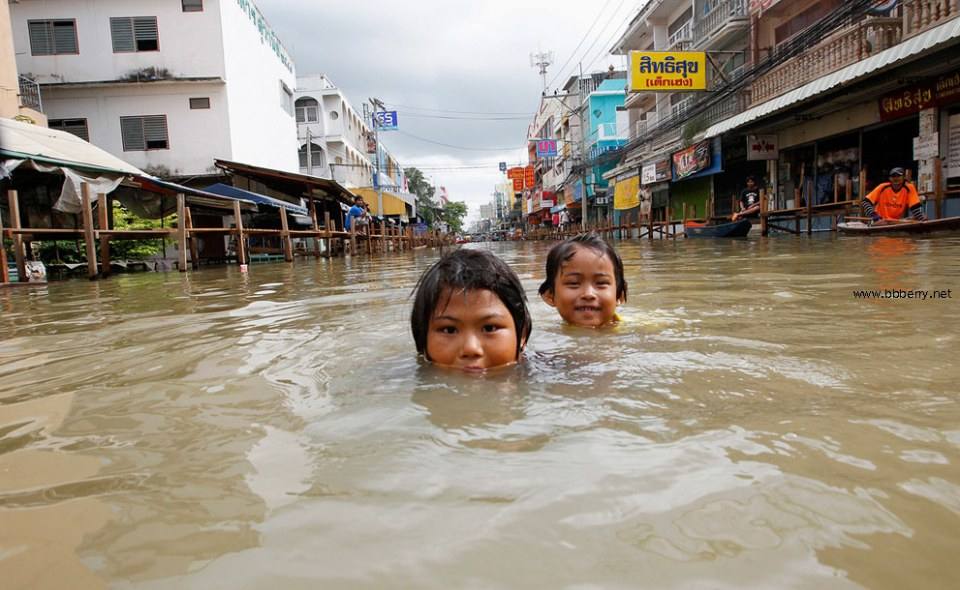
(750, 424)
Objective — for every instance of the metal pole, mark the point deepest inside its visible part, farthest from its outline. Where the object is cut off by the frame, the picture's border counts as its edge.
(376, 138)
(583, 155)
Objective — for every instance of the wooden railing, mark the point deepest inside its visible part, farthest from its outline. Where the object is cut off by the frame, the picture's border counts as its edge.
(839, 50)
(921, 15)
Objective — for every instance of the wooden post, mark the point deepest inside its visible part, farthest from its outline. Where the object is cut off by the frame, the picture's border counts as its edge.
(4, 271)
(181, 233)
(764, 230)
(809, 212)
(316, 228)
(285, 236)
(383, 237)
(353, 239)
(14, 200)
(241, 238)
(194, 246)
(326, 226)
(88, 235)
(103, 212)
(938, 187)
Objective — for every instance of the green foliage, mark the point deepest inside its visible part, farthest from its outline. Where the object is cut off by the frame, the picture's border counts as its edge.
(453, 215)
(137, 249)
(424, 191)
(692, 128)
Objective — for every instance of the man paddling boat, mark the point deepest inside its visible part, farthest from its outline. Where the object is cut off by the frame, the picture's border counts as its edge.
(890, 200)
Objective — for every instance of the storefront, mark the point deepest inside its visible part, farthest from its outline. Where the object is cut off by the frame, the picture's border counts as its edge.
(693, 171)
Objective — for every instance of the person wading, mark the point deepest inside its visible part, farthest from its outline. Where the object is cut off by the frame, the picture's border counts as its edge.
(890, 200)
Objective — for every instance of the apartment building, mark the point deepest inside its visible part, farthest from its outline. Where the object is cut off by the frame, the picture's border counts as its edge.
(165, 86)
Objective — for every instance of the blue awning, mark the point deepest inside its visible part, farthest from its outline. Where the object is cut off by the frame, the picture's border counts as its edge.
(225, 190)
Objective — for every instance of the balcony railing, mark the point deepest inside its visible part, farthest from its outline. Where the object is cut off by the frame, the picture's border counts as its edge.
(839, 50)
(682, 38)
(722, 13)
(920, 15)
(30, 94)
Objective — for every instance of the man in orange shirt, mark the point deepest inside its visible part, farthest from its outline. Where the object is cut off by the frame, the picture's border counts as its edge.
(890, 200)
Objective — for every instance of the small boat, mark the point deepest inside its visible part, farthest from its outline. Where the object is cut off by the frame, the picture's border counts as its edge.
(900, 227)
(732, 229)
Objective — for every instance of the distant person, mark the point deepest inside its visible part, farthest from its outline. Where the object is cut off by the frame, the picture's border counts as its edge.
(470, 312)
(891, 200)
(564, 220)
(585, 281)
(749, 200)
(356, 216)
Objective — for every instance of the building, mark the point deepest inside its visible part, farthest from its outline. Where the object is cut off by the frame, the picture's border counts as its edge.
(816, 98)
(19, 96)
(166, 86)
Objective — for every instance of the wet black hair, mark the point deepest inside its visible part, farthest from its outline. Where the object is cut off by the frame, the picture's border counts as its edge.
(464, 270)
(565, 250)
(754, 179)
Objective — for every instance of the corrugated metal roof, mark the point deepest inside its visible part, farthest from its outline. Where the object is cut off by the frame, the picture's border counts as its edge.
(922, 42)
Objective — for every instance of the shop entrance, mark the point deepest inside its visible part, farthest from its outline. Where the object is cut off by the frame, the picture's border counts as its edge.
(889, 146)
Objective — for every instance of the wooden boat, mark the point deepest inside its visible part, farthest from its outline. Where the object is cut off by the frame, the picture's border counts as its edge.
(732, 229)
(901, 227)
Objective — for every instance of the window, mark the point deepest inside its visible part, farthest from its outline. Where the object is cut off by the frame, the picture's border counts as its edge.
(192, 5)
(200, 103)
(134, 33)
(77, 127)
(316, 157)
(308, 110)
(286, 98)
(144, 133)
(52, 37)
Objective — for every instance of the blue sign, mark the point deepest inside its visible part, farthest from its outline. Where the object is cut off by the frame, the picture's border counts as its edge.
(547, 148)
(503, 166)
(385, 120)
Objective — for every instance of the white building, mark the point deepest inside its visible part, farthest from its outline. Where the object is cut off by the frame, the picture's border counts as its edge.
(340, 138)
(166, 86)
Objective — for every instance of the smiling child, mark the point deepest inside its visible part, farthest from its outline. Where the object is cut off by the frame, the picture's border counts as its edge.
(470, 312)
(585, 281)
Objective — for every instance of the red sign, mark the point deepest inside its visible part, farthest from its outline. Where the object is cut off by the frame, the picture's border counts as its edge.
(515, 173)
(913, 99)
(691, 160)
(529, 177)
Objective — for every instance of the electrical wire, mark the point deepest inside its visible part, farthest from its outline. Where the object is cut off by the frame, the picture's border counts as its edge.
(458, 147)
(456, 118)
(580, 44)
(433, 110)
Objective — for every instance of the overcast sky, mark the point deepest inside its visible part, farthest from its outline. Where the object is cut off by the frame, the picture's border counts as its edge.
(429, 57)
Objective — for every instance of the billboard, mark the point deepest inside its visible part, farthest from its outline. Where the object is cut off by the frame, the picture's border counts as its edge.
(691, 160)
(546, 148)
(668, 71)
(385, 120)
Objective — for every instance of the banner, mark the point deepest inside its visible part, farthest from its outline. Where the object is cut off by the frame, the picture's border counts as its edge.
(668, 71)
(516, 175)
(626, 193)
(691, 160)
(547, 148)
(655, 172)
(938, 92)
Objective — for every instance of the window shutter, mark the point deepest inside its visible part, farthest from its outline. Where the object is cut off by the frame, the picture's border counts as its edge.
(303, 157)
(40, 41)
(121, 29)
(64, 37)
(300, 116)
(131, 131)
(145, 28)
(155, 132)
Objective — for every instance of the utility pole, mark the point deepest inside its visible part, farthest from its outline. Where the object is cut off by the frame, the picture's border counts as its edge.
(309, 148)
(584, 202)
(376, 139)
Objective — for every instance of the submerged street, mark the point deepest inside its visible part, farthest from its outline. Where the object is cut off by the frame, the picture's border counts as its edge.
(750, 421)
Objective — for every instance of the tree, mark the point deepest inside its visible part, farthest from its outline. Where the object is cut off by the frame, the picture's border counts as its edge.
(453, 215)
(419, 186)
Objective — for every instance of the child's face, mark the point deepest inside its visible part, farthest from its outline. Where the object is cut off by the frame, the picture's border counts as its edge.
(585, 290)
(471, 331)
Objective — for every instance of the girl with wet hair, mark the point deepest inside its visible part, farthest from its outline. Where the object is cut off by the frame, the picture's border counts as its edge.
(585, 281)
(470, 312)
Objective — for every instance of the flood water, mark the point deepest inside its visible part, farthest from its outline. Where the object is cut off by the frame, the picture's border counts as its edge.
(750, 424)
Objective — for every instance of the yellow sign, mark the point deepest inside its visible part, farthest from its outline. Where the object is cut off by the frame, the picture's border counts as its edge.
(668, 71)
(626, 193)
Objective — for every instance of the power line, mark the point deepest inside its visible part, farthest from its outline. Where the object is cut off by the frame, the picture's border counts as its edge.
(459, 147)
(456, 118)
(616, 11)
(582, 39)
(432, 110)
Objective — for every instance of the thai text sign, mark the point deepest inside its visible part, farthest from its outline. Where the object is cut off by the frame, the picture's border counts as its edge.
(762, 147)
(516, 176)
(938, 92)
(655, 172)
(529, 177)
(667, 71)
(691, 160)
(547, 148)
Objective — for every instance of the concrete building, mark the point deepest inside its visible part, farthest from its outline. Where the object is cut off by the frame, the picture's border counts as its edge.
(19, 96)
(166, 86)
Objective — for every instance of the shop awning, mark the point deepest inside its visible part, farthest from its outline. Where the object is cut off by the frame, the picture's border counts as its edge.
(232, 192)
(947, 32)
(558, 208)
(292, 183)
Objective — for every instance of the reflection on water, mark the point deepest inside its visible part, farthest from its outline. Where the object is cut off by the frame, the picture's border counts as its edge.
(750, 424)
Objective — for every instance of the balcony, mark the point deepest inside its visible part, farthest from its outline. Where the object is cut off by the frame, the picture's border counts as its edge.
(30, 94)
(845, 47)
(727, 19)
(922, 15)
(682, 39)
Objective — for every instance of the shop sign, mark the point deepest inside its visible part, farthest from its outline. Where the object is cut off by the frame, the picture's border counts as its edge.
(547, 148)
(529, 177)
(761, 147)
(926, 147)
(648, 175)
(516, 176)
(655, 172)
(547, 199)
(938, 92)
(668, 71)
(503, 166)
(691, 160)
(385, 120)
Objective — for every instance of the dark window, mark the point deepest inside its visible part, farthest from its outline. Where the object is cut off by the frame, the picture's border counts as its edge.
(192, 5)
(77, 127)
(681, 21)
(52, 37)
(200, 103)
(308, 110)
(144, 133)
(316, 156)
(286, 98)
(134, 33)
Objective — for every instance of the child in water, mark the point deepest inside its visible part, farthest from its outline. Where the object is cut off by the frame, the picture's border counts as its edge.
(470, 312)
(585, 281)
